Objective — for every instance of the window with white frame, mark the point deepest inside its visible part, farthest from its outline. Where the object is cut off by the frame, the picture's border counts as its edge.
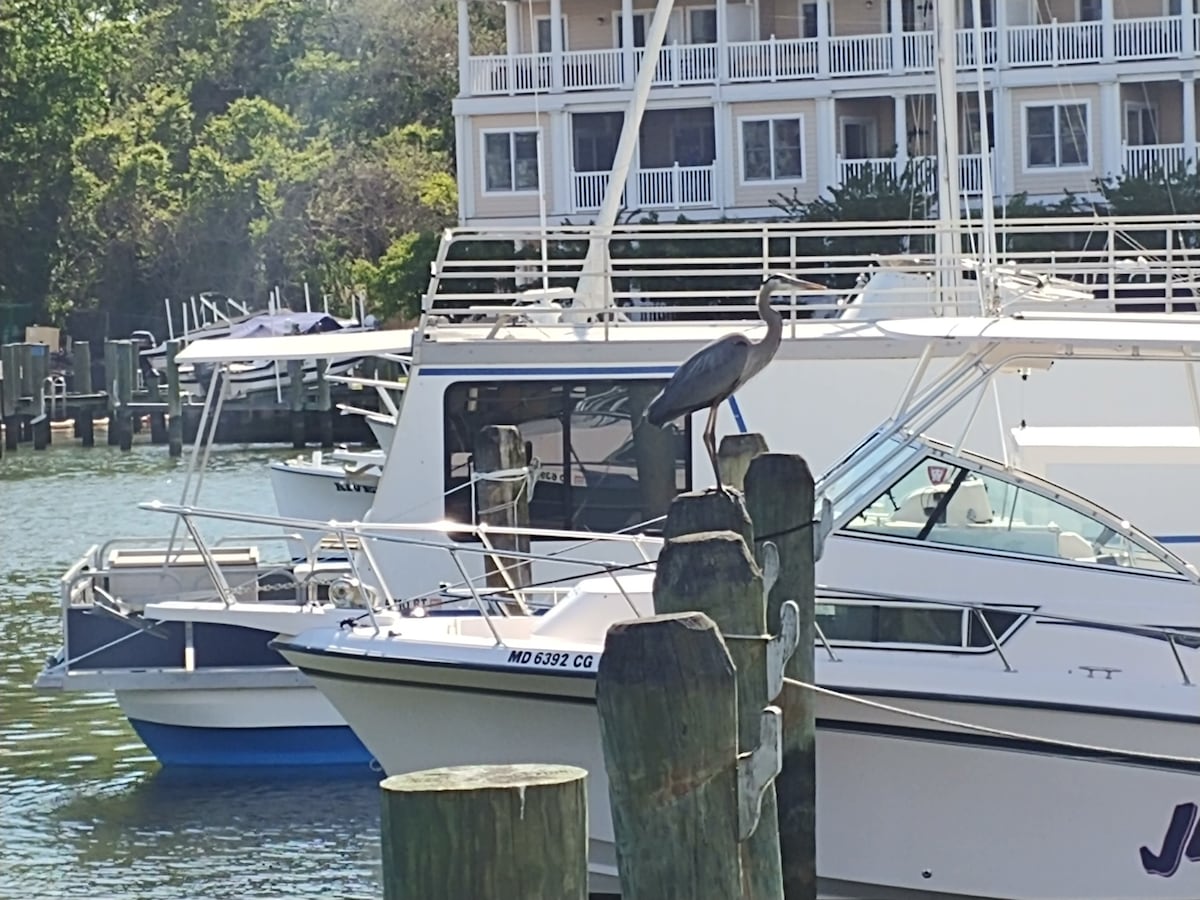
(773, 149)
(1056, 135)
(1090, 11)
(543, 34)
(510, 161)
(702, 24)
(1141, 124)
(808, 20)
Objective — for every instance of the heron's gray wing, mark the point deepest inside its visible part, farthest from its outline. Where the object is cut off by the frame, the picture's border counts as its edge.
(706, 377)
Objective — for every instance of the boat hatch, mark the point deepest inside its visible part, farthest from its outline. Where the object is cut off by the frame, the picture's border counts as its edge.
(944, 499)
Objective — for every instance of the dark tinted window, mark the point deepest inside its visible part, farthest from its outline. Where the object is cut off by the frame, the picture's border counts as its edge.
(600, 467)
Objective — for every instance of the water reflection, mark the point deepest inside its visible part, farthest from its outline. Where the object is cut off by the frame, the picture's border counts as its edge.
(84, 809)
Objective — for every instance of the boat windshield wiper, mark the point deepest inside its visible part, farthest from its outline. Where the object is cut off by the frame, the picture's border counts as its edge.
(943, 502)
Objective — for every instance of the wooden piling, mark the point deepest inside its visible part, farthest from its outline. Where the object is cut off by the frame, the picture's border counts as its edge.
(174, 401)
(122, 416)
(295, 369)
(711, 510)
(502, 501)
(110, 391)
(780, 496)
(485, 832)
(81, 367)
(85, 426)
(734, 456)
(9, 395)
(666, 695)
(714, 573)
(324, 405)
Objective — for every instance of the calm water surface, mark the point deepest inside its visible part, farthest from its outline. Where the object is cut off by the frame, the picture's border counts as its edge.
(85, 811)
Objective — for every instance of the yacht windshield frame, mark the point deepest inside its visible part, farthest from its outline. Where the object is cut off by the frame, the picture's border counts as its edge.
(880, 462)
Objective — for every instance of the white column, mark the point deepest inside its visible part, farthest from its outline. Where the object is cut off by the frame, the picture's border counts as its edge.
(827, 174)
(722, 41)
(1001, 17)
(897, 17)
(1007, 138)
(628, 60)
(556, 47)
(466, 162)
(1188, 84)
(1108, 42)
(464, 50)
(1109, 132)
(512, 40)
(1187, 22)
(823, 38)
(727, 163)
(900, 129)
(559, 161)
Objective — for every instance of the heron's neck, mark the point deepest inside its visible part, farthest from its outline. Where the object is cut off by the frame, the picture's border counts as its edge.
(765, 349)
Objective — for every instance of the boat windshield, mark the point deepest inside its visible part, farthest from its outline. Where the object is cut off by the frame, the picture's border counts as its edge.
(940, 501)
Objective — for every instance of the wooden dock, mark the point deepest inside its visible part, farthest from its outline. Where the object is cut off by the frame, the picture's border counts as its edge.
(38, 406)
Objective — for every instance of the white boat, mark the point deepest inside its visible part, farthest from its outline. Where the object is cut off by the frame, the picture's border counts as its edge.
(995, 651)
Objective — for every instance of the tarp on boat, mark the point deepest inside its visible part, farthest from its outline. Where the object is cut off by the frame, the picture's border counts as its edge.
(281, 324)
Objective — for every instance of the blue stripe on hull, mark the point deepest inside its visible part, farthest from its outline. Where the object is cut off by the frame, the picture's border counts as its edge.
(313, 745)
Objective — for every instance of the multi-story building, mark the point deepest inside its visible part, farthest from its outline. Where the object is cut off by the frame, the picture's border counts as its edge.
(754, 98)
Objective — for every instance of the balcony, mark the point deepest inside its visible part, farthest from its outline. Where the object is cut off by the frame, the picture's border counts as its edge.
(1150, 159)
(677, 187)
(970, 171)
(1051, 44)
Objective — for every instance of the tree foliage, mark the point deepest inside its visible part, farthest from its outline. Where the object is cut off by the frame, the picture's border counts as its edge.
(160, 148)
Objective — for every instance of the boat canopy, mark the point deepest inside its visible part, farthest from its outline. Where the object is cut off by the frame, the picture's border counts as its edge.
(325, 345)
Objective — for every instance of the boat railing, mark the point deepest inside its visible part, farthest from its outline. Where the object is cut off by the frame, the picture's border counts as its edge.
(1173, 638)
(709, 273)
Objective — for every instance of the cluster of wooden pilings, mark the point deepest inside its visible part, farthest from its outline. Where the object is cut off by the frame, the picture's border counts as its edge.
(31, 399)
(708, 747)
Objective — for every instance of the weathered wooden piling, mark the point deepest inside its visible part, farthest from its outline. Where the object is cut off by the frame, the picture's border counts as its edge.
(780, 496)
(734, 456)
(174, 401)
(714, 573)
(703, 511)
(324, 405)
(85, 427)
(666, 693)
(10, 395)
(295, 370)
(81, 367)
(485, 833)
(39, 419)
(502, 500)
(122, 415)
(113, 435)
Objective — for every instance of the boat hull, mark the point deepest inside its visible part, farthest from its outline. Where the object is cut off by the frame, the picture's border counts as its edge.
(243, 727)
(906, 807)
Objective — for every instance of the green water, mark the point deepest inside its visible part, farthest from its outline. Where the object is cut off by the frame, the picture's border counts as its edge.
(85, 811)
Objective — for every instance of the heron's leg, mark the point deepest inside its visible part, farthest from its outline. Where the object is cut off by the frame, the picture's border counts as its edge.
(710, 443)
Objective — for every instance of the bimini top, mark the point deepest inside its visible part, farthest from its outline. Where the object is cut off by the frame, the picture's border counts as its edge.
(1092, 335)
(327, 345)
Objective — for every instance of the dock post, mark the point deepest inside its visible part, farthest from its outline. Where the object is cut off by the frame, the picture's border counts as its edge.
(735, 454)
(666, 694)
(85, 427)
(174, 402)
(496, 832)
(8, 397)
(81, 367)
(39, 418)
(502, 499)
(110, 391)
(324, 405)
(27, 389)
(714, 573)
(780, 496)
(295, 369)
(122, 413)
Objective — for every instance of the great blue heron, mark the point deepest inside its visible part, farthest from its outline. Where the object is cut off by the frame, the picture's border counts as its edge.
(714, 372)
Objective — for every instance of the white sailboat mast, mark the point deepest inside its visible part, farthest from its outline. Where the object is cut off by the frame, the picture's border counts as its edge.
(594, 290)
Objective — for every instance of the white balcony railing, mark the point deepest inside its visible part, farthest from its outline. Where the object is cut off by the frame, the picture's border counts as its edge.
(1050, 44)
(676, 187)
(1150, 159)
(970, 171)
